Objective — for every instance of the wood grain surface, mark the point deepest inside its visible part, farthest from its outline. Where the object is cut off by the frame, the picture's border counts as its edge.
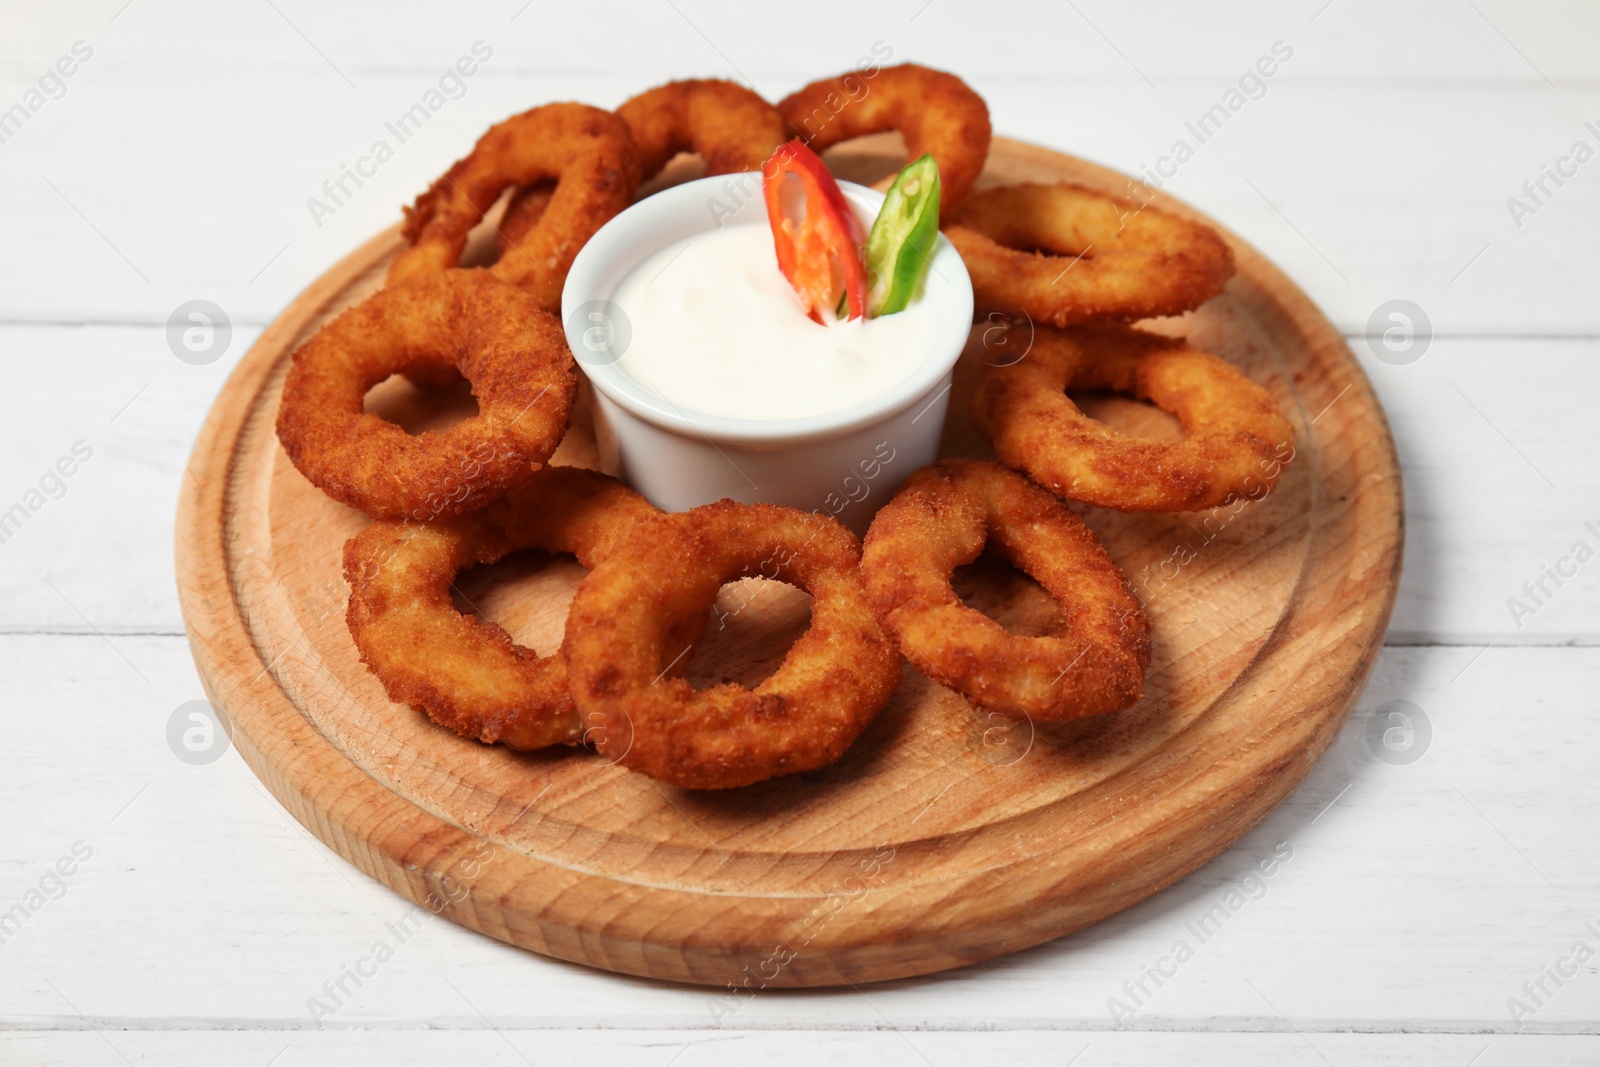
(942, 837)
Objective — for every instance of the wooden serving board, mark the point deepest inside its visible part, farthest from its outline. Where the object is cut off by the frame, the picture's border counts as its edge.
(943, 837)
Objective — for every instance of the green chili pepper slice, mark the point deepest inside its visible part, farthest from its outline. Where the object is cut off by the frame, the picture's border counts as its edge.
(900, 246)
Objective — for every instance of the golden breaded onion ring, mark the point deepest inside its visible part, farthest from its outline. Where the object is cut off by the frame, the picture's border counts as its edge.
(831, 685)
(588, 152)
(514, 355)
(523, 212)
(942, 518)
(728, 126)
(934, 111)
(466, 674)
(1101, 257)
(1235, 439)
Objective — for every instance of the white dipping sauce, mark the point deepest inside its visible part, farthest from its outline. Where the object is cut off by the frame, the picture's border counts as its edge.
(716, 328)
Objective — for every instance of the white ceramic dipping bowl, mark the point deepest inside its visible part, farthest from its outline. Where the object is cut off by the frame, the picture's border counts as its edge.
(846, 463)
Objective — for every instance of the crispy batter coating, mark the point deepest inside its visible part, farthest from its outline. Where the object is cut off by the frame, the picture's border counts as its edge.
(514, 355)
(727, 125)
(942, 518)
(590, 155)
(834, 681)
(466, 674)
(934, 111)
(1101, 257)
(526, 208)
(1235, 439)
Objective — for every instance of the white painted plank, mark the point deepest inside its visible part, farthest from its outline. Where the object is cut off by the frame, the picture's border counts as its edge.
(93, 550)
(1381, 183)
(1417, 897)
(1482, 519)
(667, 1048)
(1358, 39)
(1496, 442)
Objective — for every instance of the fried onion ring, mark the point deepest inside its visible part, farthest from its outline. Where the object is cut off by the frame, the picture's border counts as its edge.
(830, 686)
(934, 111)
(514, 355)
(1101, 257)
(465, 674)
(942, 518)
(1235, 439)
(590, 155)
(526, 207)
(727, 125)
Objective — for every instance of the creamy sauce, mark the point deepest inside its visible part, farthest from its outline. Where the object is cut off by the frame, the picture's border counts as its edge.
(717, 329)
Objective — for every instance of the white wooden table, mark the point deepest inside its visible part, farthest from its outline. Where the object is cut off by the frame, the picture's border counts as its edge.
(1422, 901)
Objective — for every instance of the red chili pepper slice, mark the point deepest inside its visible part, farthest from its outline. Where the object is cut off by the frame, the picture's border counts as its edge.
(820, 254)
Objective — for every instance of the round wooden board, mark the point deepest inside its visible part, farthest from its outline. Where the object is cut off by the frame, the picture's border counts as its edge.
(943, 837)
